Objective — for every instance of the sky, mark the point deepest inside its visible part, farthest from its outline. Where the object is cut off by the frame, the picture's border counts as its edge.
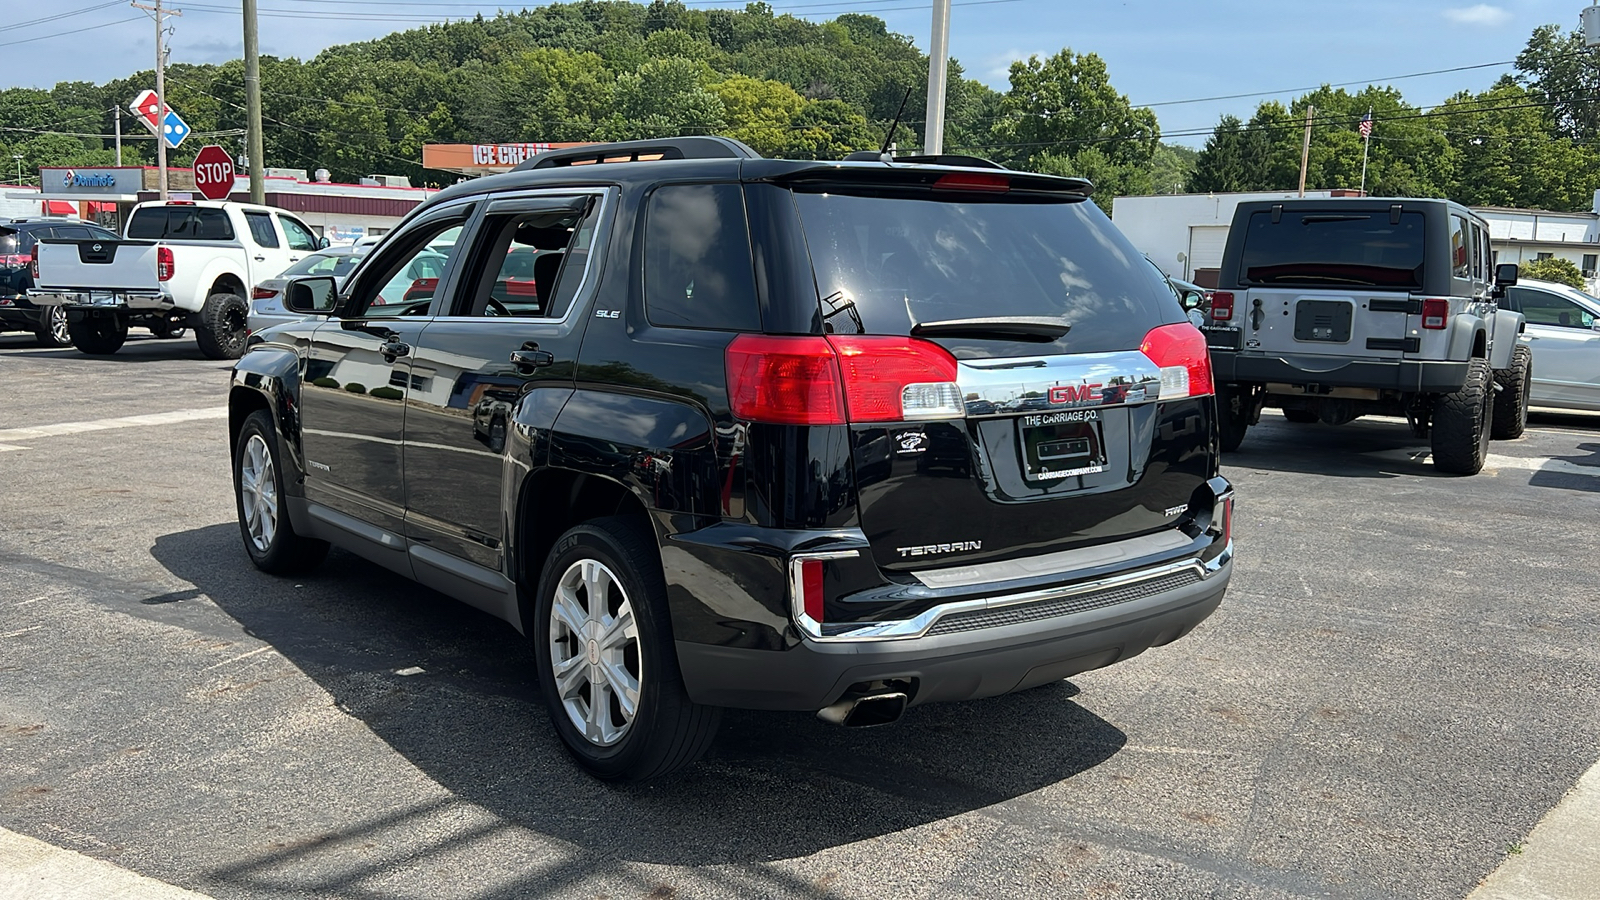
(1172, 55)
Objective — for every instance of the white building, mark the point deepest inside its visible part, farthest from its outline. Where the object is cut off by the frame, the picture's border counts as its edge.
(1184, 234)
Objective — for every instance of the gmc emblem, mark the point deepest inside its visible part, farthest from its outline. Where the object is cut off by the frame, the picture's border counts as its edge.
(1075, 393)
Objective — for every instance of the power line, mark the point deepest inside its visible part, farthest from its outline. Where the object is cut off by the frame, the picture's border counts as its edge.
(45, 37)
(66, 15)
(817, 9)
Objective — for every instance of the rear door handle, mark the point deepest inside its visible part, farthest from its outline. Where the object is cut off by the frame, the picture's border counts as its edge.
(392, 350)
(261, 259)
(531, 357)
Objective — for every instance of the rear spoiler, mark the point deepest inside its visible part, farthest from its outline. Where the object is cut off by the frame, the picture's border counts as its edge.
(955, 179)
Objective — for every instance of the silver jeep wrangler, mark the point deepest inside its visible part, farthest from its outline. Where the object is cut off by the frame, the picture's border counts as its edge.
(1331, 309)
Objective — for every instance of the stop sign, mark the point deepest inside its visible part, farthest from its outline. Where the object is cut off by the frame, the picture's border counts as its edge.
(213, 172)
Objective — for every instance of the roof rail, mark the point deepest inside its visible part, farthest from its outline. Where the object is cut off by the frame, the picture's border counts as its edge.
(942, 159)
(692, 147)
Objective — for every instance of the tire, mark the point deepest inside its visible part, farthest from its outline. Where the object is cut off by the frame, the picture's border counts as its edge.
(98, 335)
(1462, 422)
(1233, 416)
(52, 330)
(1511, 400)
(223, 327)
(269, 536)
(667, 731)
(166, 328)
(1300, 416)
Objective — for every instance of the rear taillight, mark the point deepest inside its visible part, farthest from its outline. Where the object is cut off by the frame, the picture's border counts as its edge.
(164, 264)
(262, 293)
(811, 595)
(1435, 312)
(974, 181)
(1222, 518)
(1221, 305)
(834, 380)
(33, 264)
(1185, 363)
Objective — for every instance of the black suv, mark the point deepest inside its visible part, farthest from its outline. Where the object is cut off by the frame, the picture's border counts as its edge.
(17, 240)
(842, 437)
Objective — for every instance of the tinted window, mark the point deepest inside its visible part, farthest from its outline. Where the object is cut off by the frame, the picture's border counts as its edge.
(335, 264)
(407, 280)
(1333, 248)
(261, 229)
(299, 237)
(697, 270)
(1545, 308)
(884, 264)
(191, 223)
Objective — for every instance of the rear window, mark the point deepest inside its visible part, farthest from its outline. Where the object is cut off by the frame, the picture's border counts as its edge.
(1337, 247)
(887, 263)
(191, 223)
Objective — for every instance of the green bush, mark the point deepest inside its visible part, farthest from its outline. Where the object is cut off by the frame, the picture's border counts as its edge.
(386, 393)
(355, 387)
(1561, 271)
(325, 382)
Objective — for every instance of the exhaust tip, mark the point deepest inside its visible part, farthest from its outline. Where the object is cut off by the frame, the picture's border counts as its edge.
(865, 712)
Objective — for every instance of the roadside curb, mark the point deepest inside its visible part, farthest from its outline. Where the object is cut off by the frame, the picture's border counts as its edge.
(39, 871)
(1560, 860)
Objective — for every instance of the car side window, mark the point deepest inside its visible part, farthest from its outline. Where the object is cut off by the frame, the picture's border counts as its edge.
(1477, 252)
(261, 230)
(299, 237)
(530, 264)
(1545, 308)
(71, 232)
(698, 271)
(403, 282)
(1460, 256)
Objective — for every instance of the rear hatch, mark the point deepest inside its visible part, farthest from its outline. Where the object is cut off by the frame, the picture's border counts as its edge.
(1335, 282)
(1046, 391)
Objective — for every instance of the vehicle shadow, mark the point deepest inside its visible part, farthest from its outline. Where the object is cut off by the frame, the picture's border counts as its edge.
(1365, 448)
(138, 349)
(775, 786)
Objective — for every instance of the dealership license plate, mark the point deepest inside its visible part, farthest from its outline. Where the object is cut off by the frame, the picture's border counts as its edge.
(1061, 444)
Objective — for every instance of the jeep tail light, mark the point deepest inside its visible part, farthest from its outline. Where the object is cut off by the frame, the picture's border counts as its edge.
(835, 380)
(164, 264)
(1435, 312)
(784, 380)
(261, 293)
(1180, 351)
(1221, 305)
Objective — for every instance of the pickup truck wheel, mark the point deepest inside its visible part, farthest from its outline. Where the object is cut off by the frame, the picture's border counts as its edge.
(98, 335)
(1511, 400)
(607, 666)
(1233, 416)
(1462, 422)
(269, 536)
(224, 326)
(52, 330)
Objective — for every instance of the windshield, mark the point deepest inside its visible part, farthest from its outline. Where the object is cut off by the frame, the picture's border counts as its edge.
(1333, 248)
(887, 263)
(336, 264)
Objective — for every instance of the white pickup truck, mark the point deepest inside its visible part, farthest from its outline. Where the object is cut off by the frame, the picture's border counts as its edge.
(181, 264)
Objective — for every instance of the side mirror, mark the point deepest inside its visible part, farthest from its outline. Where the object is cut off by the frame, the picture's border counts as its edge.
(323, 243)
(1193, 300)
(313, 295)
(1505, 275)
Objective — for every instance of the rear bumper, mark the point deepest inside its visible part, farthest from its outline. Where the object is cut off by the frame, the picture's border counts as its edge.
(981, 662)
(1405, 375)
(92, 298)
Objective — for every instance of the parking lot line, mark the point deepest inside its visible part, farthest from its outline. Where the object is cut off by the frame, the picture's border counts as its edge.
(40, 871)
(1498, 461)
(1560, 860)
(8, 435)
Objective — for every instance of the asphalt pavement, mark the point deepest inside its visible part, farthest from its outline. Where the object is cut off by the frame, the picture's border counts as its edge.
(1399, 685)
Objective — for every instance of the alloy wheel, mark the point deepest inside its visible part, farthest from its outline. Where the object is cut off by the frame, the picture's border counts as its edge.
(56, 319)
(594, 652)
(258, 493)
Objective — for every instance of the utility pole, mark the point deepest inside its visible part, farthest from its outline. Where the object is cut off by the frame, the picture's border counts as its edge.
(1305, 150)
(252, 102)
(116, 116)
(938, 72)
(161, 84)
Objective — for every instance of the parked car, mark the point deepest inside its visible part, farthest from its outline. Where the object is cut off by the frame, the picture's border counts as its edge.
(266, 299)
(1335, 308)
(184, 263)
(18, 237)
(1564, 334)
(843, 437)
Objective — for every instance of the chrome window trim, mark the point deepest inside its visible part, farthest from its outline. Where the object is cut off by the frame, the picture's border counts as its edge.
(911, 629)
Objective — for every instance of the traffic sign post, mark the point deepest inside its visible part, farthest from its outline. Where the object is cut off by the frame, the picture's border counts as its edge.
(213, 172)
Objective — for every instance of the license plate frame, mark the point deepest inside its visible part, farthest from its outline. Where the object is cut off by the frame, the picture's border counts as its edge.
(1059, 445)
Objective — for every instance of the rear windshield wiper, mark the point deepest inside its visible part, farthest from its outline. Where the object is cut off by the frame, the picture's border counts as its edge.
(1012, 328)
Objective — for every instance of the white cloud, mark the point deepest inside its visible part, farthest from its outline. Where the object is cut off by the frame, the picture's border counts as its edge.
(999, 65)
(1479, 14)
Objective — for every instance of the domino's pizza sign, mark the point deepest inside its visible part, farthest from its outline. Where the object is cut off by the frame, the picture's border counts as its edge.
(74, 178)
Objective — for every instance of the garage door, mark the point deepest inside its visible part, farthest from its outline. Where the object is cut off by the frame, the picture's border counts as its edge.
(1205, 247)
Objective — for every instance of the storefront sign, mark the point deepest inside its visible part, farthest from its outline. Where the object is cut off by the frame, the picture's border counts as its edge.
(478, 159)
(91, 182)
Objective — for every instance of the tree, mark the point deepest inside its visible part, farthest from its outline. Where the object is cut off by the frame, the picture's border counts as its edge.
(1561, 71)
(664, 98)
(758, 112)
(1066, 104)
(1561, 271)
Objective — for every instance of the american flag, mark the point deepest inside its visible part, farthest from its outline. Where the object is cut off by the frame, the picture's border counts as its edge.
(1366, 125)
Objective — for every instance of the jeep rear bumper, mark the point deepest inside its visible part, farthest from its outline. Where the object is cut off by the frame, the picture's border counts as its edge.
(1404, 375)
(984, 661)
